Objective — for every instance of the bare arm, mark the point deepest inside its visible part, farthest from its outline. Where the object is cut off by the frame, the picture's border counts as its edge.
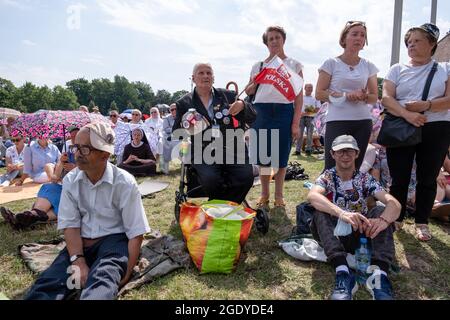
(442, 104)
(322, 86)
(393, 207)
(372, 90)
(390, 102)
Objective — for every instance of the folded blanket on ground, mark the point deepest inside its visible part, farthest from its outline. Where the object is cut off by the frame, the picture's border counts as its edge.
(28, 190)
(160, 255)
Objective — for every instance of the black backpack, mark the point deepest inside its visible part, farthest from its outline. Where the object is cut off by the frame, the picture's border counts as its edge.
(305, 213)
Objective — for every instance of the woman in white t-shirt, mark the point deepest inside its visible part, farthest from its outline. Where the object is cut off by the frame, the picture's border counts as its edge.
(14, 161)
(349, 83)
(275, 113)
(402, 96)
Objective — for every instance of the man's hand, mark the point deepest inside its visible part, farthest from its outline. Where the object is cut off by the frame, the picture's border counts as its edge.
(237, 107)
(69, 166)
(376, 226)
(84, 270)
(64, 157)
(356, 219)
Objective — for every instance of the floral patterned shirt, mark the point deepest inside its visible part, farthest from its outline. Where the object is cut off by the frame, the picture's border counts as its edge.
(349, 195)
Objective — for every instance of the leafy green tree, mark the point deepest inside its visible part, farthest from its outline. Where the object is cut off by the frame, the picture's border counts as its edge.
(91, 105)
(7, 93)
(163, 97)
(82, 89)
(103, 93)
(64, 99)
(177, 95)
(145, 94)
(124, 93)
(34, 98)
(113, 106)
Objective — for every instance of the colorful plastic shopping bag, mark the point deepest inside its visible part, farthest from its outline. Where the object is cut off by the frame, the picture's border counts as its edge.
(215, 233)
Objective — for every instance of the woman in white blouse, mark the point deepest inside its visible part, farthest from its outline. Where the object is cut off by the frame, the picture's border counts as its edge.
(402, 96)
(349, 83)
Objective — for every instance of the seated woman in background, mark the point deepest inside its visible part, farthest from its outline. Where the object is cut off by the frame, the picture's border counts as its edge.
(40, 158)
(139, 159)
(14, 161)
(46, 206)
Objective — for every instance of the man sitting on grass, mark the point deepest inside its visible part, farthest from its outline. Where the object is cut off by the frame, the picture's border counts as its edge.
(341, 193)
(103, 219)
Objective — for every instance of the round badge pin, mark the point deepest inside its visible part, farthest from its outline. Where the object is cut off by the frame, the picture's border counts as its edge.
(219, 115)
(225, 112)
(226, 120)
(186, 124)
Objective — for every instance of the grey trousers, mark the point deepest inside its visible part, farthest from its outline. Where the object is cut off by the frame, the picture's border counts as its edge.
(336, 248)
(305, 122)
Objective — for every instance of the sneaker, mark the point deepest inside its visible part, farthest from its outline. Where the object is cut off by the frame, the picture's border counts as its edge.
(297, 153)
(384, 292)
(6, 183)
(345, 286)
(9, 217)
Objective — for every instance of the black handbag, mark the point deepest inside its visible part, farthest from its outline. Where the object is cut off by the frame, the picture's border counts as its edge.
(396, 132)
(251, 97)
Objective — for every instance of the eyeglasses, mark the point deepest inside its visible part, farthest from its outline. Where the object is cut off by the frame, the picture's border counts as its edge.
(349, 23)
(350, 152)
(85, 150)
(15, 139)
(173, 110)
(113, 116)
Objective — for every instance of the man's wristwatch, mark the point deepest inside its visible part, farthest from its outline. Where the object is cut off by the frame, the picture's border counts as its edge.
(75, 257)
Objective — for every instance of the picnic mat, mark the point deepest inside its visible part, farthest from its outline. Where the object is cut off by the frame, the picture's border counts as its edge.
(148, 187)
(28, 190)
(160, 255)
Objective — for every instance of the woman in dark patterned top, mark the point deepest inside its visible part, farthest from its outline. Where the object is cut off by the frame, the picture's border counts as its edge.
(139, 159)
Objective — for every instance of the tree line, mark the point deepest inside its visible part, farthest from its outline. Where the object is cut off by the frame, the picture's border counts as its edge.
(119, 94)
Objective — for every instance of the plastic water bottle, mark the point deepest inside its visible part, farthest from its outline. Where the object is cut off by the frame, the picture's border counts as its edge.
(184, 148)
(362, 257)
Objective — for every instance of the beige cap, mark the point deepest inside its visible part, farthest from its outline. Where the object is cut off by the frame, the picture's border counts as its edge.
(102, 136)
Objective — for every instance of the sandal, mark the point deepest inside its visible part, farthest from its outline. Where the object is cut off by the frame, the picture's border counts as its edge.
(263, 204)
(279, 203)
(423, 232)
(9, 218)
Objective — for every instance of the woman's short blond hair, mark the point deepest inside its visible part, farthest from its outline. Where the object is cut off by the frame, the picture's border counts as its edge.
(346, 30)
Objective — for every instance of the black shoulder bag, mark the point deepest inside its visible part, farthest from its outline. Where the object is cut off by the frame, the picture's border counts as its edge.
(251, 97)
(396, 132)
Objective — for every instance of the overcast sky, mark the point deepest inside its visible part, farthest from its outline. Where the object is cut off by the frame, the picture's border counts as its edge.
(159, 41)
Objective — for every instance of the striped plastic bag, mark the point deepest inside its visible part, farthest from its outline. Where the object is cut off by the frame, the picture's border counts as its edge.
(215, 232)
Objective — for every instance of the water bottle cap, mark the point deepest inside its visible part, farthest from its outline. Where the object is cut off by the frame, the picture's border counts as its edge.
(363, 240)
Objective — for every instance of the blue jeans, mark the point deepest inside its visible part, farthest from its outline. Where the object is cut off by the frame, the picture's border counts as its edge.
(107, 261)
(9, 176)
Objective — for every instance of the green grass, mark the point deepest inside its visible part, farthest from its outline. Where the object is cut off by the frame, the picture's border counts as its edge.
(265, 271)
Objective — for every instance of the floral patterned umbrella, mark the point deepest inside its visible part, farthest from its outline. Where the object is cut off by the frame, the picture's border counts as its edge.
(53, 124)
